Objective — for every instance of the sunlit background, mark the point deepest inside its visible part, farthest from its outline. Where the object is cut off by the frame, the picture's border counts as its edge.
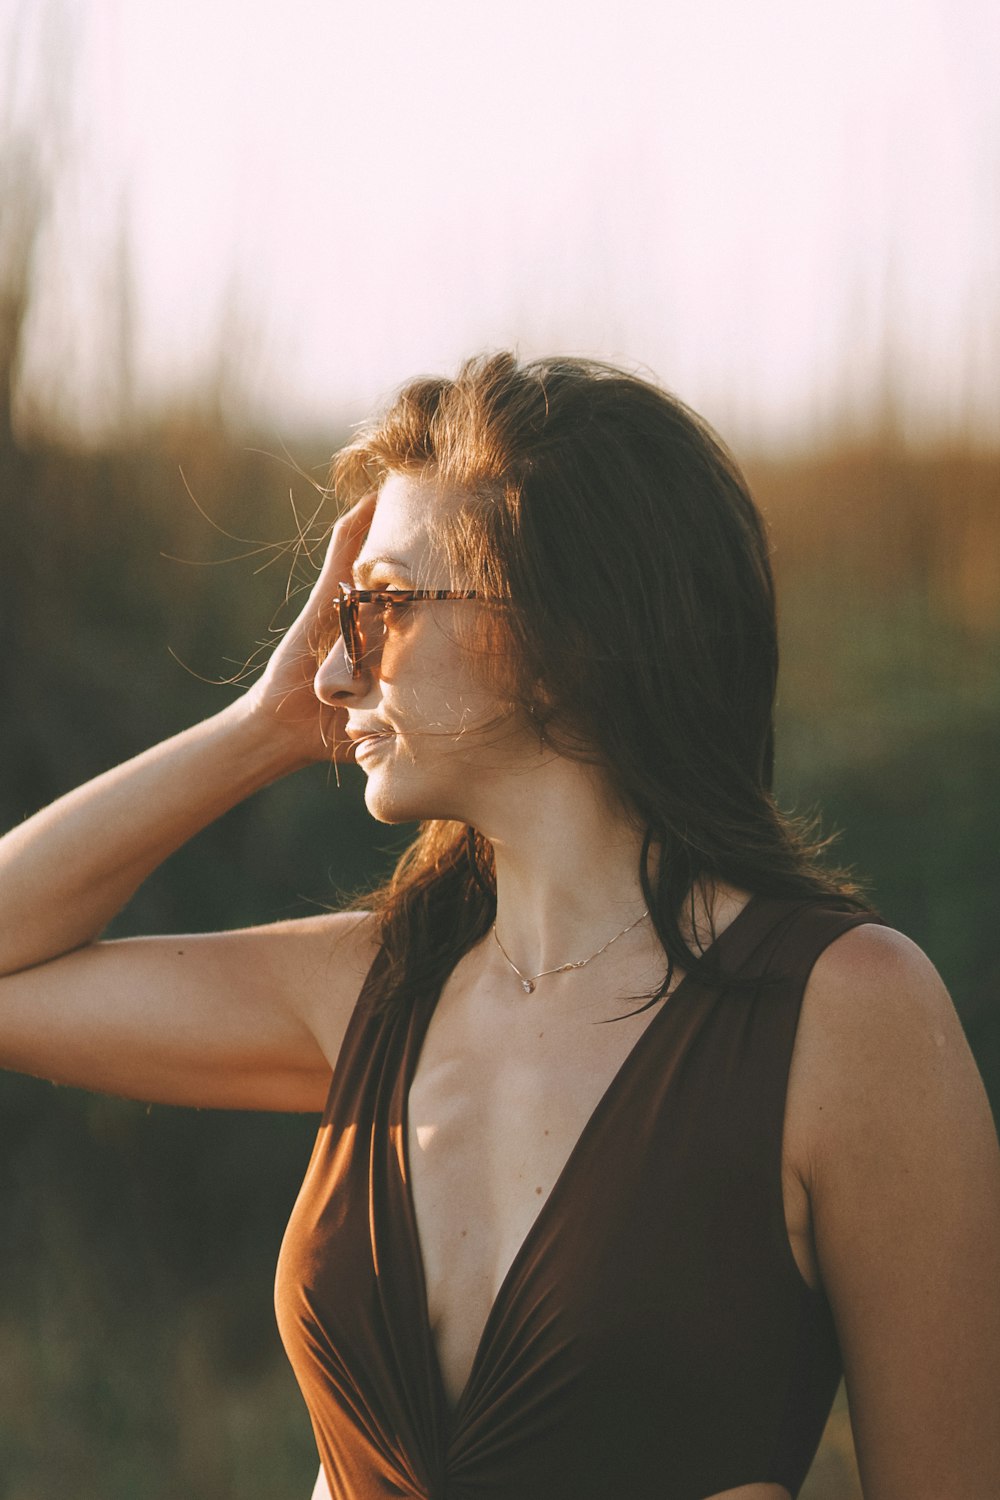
(772, 206)
(226, 231)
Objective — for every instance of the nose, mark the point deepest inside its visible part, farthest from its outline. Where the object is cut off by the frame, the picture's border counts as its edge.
(333, 683)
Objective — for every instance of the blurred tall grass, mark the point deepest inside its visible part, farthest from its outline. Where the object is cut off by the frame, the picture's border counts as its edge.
(137, 1245)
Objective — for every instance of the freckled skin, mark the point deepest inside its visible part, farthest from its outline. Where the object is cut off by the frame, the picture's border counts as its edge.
(451, 746)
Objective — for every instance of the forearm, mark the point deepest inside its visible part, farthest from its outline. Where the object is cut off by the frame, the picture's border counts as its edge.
(66, 872)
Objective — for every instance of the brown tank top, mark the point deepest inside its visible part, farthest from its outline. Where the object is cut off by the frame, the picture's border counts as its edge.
(653, 1338)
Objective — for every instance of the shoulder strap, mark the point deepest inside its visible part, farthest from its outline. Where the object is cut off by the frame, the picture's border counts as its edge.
(799, 937)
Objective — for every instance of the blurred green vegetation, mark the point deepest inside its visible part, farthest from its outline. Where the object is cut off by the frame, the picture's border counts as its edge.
(888, 564)
(138, 1245)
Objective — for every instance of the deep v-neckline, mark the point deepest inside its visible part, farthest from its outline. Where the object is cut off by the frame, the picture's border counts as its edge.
(450, 1413)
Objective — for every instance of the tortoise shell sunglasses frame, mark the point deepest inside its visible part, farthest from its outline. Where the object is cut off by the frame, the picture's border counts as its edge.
(350, 600)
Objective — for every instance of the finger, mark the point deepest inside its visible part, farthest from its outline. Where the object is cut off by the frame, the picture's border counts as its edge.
(322, 610)
(364, 506)
(348, 535)
(354, 523)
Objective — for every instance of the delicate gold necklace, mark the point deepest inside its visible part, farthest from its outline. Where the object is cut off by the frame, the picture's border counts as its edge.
(528, 980)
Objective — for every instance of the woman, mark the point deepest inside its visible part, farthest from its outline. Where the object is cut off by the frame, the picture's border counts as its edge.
(639, 1122)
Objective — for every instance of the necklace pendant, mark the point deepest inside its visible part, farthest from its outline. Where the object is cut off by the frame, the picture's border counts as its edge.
(528, 985)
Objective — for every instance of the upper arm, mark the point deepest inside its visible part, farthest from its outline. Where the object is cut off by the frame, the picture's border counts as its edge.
(904, 1182)
(250, 1019)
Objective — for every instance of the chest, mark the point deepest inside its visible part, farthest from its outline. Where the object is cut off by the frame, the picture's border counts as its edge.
(496, 1116)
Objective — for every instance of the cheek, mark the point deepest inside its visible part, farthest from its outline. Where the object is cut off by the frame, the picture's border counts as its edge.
(426, 674)
(450, 712)
(431, 688)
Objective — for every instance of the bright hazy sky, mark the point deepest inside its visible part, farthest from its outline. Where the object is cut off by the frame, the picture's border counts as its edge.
(753, 199)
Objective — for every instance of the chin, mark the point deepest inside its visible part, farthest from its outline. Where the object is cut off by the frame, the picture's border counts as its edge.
(391, 801)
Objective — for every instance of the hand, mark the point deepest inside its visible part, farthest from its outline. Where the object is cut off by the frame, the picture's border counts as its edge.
(284, 692)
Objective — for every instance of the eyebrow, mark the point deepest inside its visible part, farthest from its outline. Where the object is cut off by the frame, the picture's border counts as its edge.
(365, 569)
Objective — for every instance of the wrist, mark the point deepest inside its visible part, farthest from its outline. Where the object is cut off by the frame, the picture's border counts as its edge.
(268, 747)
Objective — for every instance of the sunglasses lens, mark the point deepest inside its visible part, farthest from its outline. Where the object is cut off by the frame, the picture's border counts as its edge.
(368, 630)
(350, 632)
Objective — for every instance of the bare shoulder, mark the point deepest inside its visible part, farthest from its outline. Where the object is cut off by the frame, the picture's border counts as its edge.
(872, 967)
(875, 1004)
(894, 1139)
(881, 1059)
(869, 961)
(881, 1063)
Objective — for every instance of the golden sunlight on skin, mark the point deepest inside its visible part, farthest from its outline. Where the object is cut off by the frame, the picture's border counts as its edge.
(430, 739)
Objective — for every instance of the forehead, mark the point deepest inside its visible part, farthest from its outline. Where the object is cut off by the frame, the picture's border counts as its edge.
(399, 527)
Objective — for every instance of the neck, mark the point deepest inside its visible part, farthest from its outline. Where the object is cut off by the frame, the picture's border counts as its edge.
(567, 859)
(567, 871)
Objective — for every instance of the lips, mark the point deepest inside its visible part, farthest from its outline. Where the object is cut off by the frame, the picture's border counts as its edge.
(364, 737)
(365, 731)
(370, 739)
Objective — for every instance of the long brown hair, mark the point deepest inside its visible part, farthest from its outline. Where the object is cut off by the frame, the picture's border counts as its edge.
(641, 636)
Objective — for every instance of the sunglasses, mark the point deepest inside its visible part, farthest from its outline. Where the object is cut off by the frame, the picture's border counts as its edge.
(365, 614)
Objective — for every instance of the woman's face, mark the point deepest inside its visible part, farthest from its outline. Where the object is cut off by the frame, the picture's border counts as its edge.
(432, 741)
